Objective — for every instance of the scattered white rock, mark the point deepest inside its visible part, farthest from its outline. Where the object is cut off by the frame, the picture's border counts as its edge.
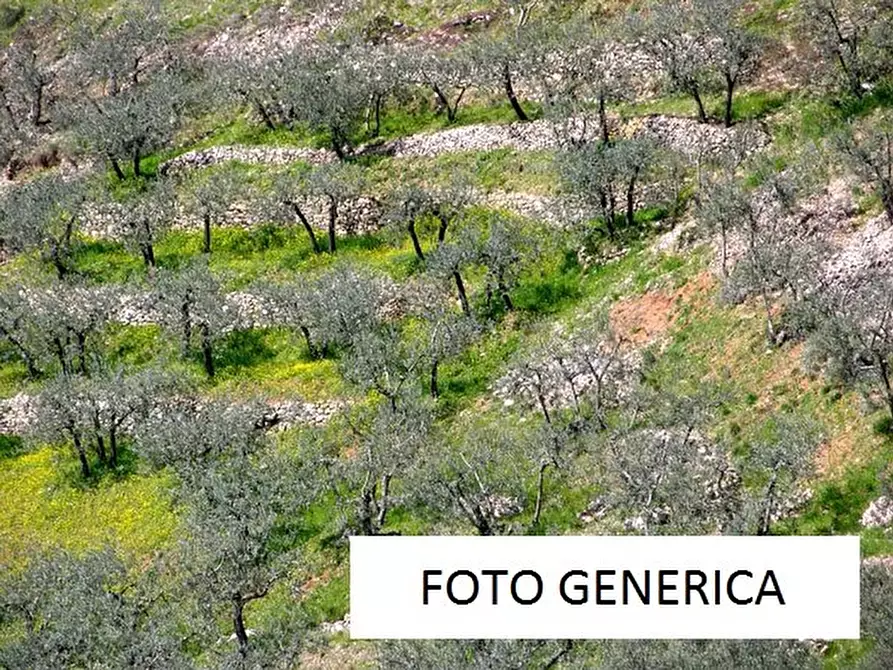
(333, 627)
(879, 513)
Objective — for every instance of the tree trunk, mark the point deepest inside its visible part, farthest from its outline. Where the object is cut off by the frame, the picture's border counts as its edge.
(148, 255)
(333, 217)
(506, 299)
(58, 263)
(702, 113)
(206, 226)
(365, 512)
(540, 485)
(385, 489)
(766, 520)
(442, 230)
(82, 455)
(27, 358)
(510, 93)
(36, 109)
(116, 167)
(113, 446)
(239, 624)
(463, 297)
(378, 101)
(207, 352)
(310, 348)
(770, 325)
(603, 119)
(443, 101)
(730, 93)
(265, 115)
(310, 232)
(82, 353)
(338, 143)
(186, 324)
(884, 371)
(631, 199)
(137, 160)
(100, 440)
(887, 193)
(60, 354)
(416, 245)
(607, 205)
(373, 116)
(435, 391)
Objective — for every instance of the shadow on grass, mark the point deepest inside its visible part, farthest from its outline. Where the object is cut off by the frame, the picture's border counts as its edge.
(242, 349)
(10, 446)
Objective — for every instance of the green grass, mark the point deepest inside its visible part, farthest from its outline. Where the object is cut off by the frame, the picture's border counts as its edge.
(273, 362)
(747, 105)
(500, 169)
(43, 508)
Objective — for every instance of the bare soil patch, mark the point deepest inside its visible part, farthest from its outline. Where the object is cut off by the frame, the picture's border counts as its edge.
(647, 318)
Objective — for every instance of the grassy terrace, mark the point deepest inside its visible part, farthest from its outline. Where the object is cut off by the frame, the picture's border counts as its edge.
(667, 306)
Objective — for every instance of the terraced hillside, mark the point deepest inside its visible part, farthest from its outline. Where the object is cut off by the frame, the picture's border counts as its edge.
(272, 277)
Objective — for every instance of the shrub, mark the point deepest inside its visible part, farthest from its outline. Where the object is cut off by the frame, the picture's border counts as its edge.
(883, 426)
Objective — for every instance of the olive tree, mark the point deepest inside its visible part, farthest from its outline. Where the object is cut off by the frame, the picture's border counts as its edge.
(855, 36)
(735, 50)
(88, 611)
(133, 122)
(239, 495)
(285, 203)
(292, 305)
(783, 256)
(344, 304)
(259, 83)
(478, 477)
(382, 68)
(20, 330)
(877, 613)
(26, 79)
(209, 197)
(190, 305)
(321, 88)
(683, 55)
(515, 51)
(449, 260)
(57, 323)
(581, 63)
(707, 654)
(409, 205)
(581, 370)
(145, 217)
(95, 413)
(381, 359)
(853, 337)
(503, 248)
(702, 47)
(603, 175)
(387, 439)
(46, 214)
(781, 461)
(133, 91)
(867, 149)
(337, 185)
(480, 654)
(437, 331)
(660, 469)
(71, 320)
(449, 73)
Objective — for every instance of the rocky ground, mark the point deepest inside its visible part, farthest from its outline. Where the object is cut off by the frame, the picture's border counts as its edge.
(681, 134)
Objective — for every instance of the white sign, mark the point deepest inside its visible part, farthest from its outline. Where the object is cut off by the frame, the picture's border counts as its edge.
(604, 587)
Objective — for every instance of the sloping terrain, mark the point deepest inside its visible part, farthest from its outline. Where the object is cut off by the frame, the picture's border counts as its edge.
(276, 276)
